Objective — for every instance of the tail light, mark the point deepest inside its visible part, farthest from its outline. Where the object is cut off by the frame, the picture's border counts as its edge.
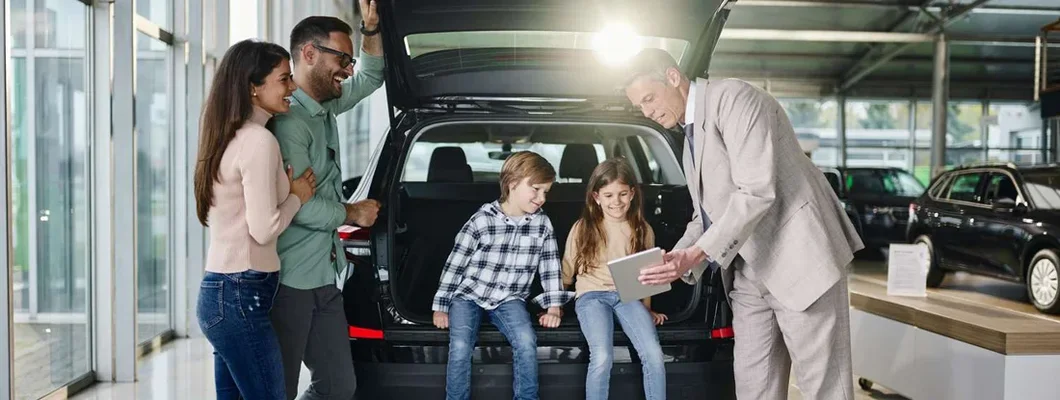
(357, 332)
(356, 240)
(721, 325)
(722, 333)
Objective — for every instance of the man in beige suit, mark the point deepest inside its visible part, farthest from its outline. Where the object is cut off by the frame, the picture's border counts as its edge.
(767, 218)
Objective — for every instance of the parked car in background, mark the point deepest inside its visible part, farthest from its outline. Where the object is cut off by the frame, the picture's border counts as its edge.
(876, 200)
(880, 200)
(835, 179)
(998, 221)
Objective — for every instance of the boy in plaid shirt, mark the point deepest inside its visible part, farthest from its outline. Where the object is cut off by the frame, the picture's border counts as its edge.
(490, 271)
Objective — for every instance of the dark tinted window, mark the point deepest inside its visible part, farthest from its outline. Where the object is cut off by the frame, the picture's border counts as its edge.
(941, 186)
(1000, 187)
(833, 181)
(883, 182)
(964, 187)
(1043, 188)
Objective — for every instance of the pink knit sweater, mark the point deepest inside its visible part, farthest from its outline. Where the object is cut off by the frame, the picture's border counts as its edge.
(252, 203)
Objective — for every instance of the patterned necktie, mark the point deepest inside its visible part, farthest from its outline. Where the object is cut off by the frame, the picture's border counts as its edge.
(689, 131)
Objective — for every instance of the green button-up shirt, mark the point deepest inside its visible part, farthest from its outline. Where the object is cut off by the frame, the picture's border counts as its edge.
(310, 251)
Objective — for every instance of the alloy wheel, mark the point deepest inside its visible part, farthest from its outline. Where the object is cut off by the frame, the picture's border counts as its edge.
(1044, 286)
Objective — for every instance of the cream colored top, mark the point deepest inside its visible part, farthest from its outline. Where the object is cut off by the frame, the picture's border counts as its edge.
(599, 278)
(252, 202)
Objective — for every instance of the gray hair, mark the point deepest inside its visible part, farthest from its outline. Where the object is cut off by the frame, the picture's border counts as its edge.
(651, 63)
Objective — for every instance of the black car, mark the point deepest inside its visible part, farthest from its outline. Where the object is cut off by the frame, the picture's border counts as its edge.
(836, 181)
(469, 83)
(879, 198)
(999, 221)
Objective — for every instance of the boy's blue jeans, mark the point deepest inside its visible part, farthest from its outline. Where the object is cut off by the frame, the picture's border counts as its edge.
(512, 319)
(233, 312)
(596, 312)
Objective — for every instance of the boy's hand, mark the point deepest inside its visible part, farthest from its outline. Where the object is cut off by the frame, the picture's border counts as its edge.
(658, 318)
(551, 318)
(441, 320)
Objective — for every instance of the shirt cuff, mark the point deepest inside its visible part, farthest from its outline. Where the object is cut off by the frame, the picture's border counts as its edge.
(553, 299)
(441, 305)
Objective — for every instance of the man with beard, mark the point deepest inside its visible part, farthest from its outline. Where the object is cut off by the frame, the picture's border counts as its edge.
(308, 313)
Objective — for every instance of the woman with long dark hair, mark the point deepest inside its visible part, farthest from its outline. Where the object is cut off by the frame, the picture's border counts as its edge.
(245, 197)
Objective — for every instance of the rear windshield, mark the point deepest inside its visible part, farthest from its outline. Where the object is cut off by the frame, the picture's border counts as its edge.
(1043, 187)
(491, 49)
(476, 153)
(883, 182)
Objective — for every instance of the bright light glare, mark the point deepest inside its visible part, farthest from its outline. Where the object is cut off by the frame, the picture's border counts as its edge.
(616, 44)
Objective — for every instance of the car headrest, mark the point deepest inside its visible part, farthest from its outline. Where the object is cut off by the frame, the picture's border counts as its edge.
(449, 164)
(578, 161)
(1007, 190)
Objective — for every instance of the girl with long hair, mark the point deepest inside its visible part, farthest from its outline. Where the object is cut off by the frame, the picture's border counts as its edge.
(246, 198)
(612, 226)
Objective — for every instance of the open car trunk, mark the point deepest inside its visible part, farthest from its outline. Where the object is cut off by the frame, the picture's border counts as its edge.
(427, 212)
(558, 49)
(542, 64)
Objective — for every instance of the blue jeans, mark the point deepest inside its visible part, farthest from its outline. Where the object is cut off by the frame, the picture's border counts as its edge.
(233, 312)
(512, 319)
(596, 312)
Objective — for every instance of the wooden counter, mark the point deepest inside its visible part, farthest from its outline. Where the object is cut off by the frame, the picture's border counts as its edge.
(992, 327)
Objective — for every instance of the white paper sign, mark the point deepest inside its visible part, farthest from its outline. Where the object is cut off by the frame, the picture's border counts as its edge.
(907, 269)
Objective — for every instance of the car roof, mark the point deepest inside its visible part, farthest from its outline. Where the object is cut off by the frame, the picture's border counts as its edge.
(872, 169)
(1006, 166)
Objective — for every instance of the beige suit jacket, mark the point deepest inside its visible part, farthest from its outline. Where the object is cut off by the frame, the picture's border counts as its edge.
(767, 202)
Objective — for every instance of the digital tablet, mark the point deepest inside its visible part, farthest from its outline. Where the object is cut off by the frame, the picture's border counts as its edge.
(626, 270)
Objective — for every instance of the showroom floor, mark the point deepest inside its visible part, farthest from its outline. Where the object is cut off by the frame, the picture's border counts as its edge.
(183, 369)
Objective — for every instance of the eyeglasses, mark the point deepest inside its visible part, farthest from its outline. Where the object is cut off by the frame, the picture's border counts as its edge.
(344, 59)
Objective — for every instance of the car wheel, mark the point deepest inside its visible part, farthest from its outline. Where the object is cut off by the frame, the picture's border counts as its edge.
(1042, 284)
(935, 273)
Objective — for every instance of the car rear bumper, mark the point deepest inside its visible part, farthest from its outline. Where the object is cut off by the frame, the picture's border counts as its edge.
(684, 380)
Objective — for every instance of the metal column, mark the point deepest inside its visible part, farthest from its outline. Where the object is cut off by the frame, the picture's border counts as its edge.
(183, 310)
(912, 135)
(940, 93)
(6, 313)
(196, 234)
(121, 286)
(841, 129)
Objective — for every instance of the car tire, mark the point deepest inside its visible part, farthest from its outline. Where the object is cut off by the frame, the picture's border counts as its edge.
(1042, 281)
(935, 274)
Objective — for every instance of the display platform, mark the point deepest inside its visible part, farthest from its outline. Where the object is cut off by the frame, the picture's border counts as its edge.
(971, 339)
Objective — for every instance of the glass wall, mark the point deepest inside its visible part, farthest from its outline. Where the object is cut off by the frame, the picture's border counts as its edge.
(157, 11)
(1014, 134)
(897, 133)
(50, 194)
(243, 23)
(816, 120)
(154, 175)
(878, 133)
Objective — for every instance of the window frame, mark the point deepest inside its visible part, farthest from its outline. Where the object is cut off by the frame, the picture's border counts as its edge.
(1020, 198)
(980, 187)
(670, 165)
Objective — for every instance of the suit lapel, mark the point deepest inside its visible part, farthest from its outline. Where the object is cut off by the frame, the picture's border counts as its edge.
(700, 140)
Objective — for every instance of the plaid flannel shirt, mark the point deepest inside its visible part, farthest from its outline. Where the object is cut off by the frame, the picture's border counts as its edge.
(495, 258)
